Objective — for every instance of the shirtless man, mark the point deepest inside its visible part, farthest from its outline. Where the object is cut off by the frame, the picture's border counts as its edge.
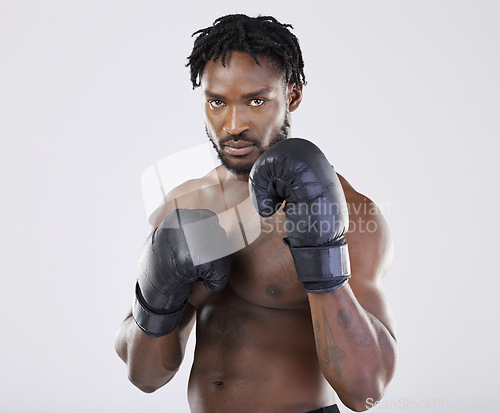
(279, 326)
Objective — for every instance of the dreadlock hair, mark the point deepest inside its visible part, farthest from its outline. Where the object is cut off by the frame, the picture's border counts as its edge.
(262, 35)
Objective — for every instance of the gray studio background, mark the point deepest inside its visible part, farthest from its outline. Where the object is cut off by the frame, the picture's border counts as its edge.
(404, 98)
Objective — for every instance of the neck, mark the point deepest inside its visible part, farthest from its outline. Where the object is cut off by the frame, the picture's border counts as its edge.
(225, 175)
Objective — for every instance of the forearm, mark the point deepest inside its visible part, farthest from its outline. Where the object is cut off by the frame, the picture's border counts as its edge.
(151, 362)
(357, 353)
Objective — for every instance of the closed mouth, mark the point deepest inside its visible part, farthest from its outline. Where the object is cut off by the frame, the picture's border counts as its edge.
(238, 148)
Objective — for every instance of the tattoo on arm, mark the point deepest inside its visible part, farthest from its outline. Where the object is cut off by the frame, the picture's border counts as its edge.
(332, 352)
(358, 334)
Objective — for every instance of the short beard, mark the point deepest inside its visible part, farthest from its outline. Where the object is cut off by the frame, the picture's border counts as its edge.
(244, 170)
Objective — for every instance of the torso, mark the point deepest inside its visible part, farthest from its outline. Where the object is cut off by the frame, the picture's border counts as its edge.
(255, 349)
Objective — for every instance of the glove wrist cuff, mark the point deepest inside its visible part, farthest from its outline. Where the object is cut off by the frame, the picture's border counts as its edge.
(321, 269)
(152, 322)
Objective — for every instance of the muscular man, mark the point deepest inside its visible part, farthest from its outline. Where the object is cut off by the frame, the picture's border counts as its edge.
(279, 325)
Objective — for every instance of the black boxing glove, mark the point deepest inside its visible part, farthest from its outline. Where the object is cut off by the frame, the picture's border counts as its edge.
(297, 172)
(189, 245)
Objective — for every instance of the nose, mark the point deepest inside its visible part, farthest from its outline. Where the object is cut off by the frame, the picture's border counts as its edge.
(235, 121)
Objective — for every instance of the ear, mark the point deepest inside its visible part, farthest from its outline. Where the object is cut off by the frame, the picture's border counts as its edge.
(294, 95)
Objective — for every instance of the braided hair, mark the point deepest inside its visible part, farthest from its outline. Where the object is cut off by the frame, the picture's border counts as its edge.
(262, 35)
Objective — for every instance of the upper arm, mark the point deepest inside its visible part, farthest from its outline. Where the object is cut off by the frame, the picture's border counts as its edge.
(186, 325)
(370, 252)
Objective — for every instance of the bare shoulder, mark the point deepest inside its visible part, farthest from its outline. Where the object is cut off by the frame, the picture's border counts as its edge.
(369, 236)
(176, 198)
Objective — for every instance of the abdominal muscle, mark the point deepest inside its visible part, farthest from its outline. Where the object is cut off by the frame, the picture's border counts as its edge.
(255, 348)
(251, 358)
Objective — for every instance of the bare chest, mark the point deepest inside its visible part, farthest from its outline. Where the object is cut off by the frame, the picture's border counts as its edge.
(263, 271)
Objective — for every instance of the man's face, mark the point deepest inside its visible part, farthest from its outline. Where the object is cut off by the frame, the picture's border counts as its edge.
(246, 108)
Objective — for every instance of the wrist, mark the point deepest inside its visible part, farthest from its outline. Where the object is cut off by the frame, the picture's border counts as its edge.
(323, 287)
(153, 322)
(321, 269)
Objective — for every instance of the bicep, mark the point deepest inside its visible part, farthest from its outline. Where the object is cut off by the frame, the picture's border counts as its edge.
(186, 325)
(370, 251)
